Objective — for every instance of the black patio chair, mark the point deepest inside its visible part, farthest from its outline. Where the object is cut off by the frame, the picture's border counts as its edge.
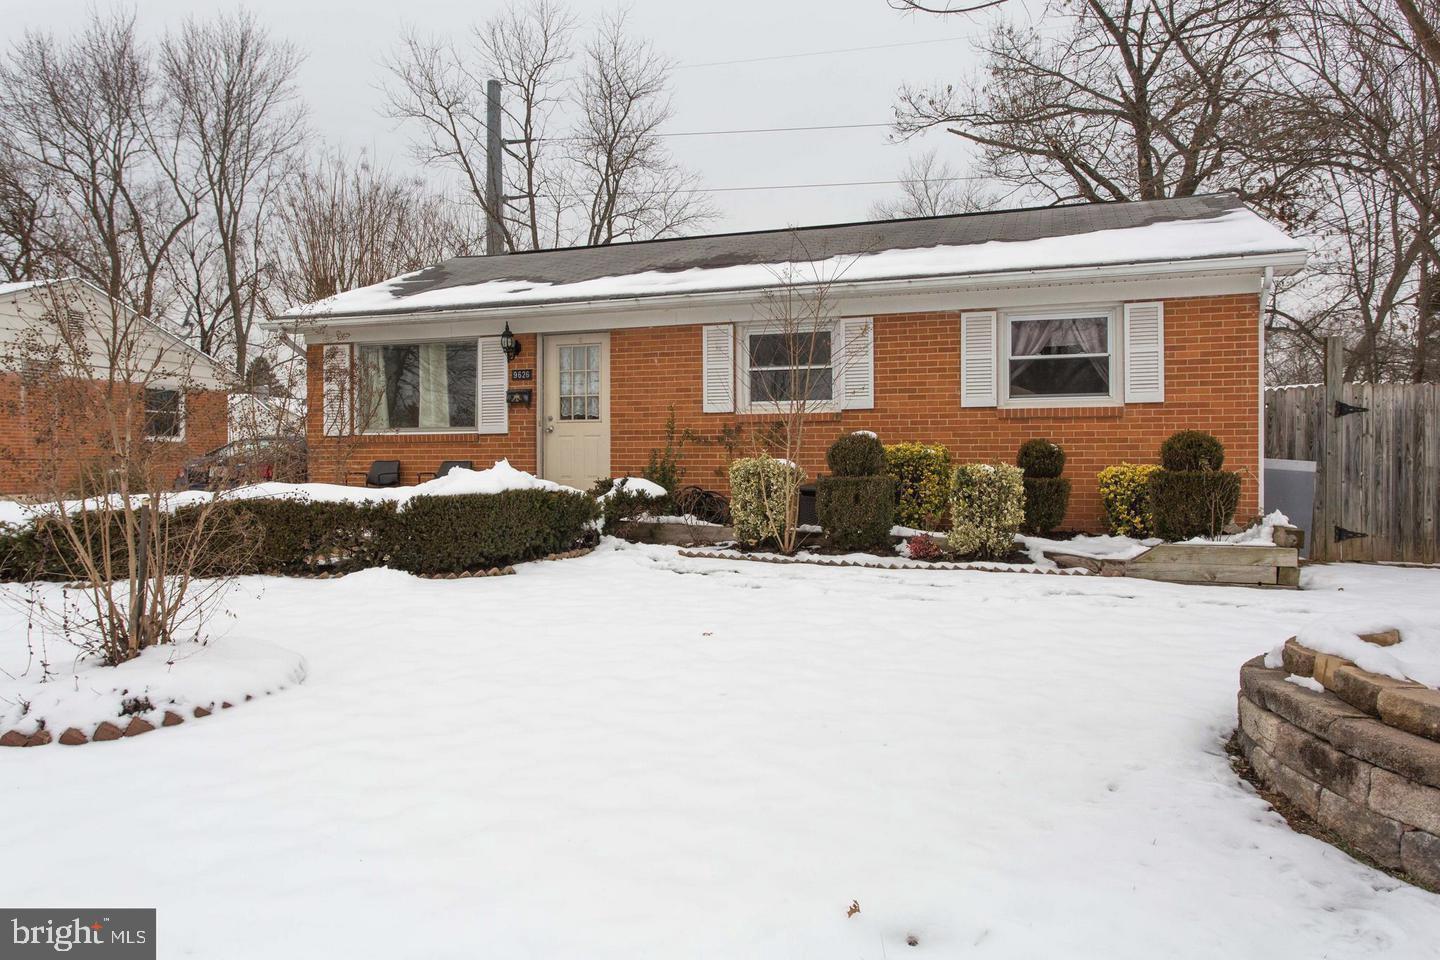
(445, 467)
(382, 473)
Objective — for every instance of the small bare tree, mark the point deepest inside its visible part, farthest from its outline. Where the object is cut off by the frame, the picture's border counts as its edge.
(791, 363)
(108, 399)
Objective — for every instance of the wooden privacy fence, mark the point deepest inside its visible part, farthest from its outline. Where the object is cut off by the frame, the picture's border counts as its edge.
(1377, 452)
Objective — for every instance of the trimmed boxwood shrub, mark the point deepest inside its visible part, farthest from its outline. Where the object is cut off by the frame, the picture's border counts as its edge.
(856, 512)
(298, 536)
(761, 489)
(1192, 450)
(922, 483)
(1047, 494)
(1193, 503)
(453, 534)
(859, 454)
(1125, 497)
(1041, 459)
(987, 507)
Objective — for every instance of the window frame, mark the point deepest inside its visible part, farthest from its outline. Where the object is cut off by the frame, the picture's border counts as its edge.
(180, 413)
(743, 332)
(1115, 396)
(358, 368)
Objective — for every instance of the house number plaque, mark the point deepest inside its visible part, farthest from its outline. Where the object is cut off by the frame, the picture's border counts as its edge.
(525, 373)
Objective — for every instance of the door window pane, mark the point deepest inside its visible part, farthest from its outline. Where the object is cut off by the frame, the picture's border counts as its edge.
(579, 381)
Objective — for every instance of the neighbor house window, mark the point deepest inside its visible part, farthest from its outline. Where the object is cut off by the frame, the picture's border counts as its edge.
(163, 417)
(789, 366)
(417, 386)
(1057, 356)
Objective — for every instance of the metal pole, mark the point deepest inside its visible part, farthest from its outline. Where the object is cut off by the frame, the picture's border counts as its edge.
(494, 181)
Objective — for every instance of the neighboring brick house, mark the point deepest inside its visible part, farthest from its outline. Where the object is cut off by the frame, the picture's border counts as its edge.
(183, 391)
(1104, 327)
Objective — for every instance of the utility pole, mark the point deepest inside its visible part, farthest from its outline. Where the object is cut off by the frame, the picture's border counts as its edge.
(494, 181)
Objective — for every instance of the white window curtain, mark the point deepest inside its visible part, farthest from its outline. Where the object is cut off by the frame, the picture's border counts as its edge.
(1060, 356)
(434, 387)
(374, 408)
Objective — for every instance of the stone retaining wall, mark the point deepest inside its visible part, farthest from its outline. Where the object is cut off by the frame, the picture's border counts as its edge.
(1355, 757)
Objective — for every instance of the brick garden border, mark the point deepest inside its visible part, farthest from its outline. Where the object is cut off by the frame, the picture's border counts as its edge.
(1362, 758)
(822, 562)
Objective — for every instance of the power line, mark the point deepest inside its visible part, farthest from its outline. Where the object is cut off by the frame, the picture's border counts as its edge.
(817, 53)
(718, 133)
(838, 183)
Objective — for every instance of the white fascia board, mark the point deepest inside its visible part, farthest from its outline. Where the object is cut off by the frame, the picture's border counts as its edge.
(1190, 278)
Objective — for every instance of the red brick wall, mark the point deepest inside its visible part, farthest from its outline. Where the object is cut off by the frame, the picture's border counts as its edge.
(1211, 382)
(32, 465)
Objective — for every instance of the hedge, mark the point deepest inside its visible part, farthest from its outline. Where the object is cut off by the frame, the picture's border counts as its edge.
(858, 454)
(922, 483)
(1125, 496)
(1192, 450)
(855, 512)
(446, 534)
(987, 506)
(1046, 500)
(454, 534)
(761, 491)
(1193, 503)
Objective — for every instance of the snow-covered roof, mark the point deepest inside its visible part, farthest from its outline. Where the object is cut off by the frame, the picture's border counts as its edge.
(22, 285)
(1050, 238)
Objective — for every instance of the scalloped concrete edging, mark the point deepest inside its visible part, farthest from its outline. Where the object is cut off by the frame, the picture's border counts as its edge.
(820, 562)
(1362, 758)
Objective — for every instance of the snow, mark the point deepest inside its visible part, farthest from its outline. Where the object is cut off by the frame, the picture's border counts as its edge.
(82, 693)
(1261, 534)
(457, 482)
(1235, 233)
(19, 286)
(1101, 547)
(637, 755)
(1416, 657)
(645, 488)
(1309, 683)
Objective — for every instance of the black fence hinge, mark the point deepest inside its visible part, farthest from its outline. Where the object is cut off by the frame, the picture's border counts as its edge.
(1341, 534)
(1343, 409)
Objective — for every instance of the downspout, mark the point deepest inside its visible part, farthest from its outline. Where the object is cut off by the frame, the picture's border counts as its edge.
(1267, 290)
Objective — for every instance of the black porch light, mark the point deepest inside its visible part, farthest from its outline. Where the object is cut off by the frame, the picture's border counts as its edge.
(508, 343)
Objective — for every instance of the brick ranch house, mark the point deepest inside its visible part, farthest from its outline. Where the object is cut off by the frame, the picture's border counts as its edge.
(185, 390)
(1104, 327)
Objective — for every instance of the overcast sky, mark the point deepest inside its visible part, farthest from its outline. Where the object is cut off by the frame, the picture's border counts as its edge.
(346, 39)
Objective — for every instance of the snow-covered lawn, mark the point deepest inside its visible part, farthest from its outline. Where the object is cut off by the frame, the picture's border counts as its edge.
(638, 755)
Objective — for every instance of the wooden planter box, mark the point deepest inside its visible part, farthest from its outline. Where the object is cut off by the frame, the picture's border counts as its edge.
(683, 534)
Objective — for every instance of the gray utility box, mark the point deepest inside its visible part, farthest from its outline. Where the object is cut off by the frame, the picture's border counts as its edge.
(1290, 488)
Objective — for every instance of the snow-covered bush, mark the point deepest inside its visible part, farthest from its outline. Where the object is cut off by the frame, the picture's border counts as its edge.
(624, 500)
(1047, 494)
(987, 506)
(454, 534)
(858, 454)
(922, 483)
(764, 495)
(1125, 497)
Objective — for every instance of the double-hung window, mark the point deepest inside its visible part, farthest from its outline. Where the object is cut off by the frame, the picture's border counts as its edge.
(788, 366)
(1059, 357)
(417, 386)
(164, 414)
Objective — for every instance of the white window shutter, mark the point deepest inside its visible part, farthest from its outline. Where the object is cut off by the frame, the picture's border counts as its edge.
(718, 387)
(336, 371)
(857, 360)
(978, 352)
(1145, 352)
(493, 372)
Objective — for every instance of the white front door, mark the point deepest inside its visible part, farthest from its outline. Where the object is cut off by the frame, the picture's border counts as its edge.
(577, 408)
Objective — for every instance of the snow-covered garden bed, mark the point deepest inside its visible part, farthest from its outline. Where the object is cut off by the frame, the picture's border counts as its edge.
(997, 766)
